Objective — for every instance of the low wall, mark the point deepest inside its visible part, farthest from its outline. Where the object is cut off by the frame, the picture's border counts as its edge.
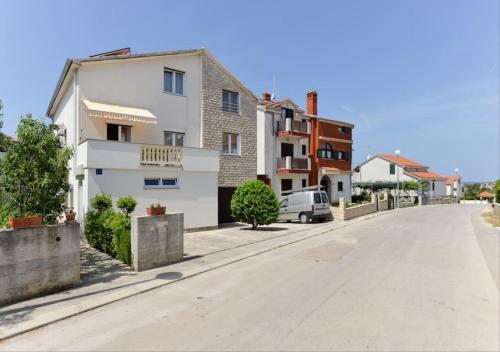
(343, 213)
(157, 240)
(38, 260)
(434, 201)
(383, 205)
(496, 209)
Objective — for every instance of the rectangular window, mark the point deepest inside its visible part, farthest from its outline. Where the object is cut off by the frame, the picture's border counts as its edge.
(343, 129)
(340, 186)
(324, 197)
(112, 132)
(304, 149)
(156, 182)
(173, 81)
(230, 101)
(392, 169)
(118, 133)
(286, 113)
(304, 183)
(317, 198)
(433, 186)
(231, 143)
(286, 185)
(179, 83)
(174, 138)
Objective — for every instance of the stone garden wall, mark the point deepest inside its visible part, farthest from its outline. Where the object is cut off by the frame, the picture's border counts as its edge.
(38, 260)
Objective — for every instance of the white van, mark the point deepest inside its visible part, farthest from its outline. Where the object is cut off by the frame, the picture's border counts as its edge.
(304, 206)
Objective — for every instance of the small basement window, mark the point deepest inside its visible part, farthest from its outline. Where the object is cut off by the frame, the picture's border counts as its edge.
(157, 182)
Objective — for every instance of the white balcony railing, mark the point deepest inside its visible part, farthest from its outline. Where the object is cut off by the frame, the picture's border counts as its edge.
(161, 155)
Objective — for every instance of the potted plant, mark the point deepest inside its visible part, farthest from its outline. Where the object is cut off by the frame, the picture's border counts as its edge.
(70, 214)
(156, 209)
(22, 221)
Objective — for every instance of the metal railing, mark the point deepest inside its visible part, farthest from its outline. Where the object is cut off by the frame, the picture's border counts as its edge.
(293, 163)
(291, 125)
(161, 155)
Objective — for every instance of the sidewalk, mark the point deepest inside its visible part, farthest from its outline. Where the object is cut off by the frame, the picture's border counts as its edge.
(204, 251)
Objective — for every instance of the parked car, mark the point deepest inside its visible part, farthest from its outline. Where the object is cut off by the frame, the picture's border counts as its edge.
(304, 206)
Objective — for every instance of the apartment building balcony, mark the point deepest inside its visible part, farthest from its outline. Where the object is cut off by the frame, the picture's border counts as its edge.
(289, 165)
(291, 127)
(119, 155)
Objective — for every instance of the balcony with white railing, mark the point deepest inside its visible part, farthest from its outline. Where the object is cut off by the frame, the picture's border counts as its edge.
(116, 155)
(161, 155)
(289, 164)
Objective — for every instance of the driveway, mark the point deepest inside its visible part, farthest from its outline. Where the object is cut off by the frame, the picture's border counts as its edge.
(415, 279)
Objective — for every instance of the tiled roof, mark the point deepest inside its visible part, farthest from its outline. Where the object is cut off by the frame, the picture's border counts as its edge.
(452, 179)
(401, 160)
(426, 175)
(486, 194)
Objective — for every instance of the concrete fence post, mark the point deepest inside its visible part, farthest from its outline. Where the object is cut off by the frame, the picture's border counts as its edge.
(342, 203)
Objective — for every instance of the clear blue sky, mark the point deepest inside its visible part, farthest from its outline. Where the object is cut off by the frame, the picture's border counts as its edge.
(418, 75)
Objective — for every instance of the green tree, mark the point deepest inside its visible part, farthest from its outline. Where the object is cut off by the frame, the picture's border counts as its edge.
(34, 171)
(497, 191)
(126, 204)
(255, 203)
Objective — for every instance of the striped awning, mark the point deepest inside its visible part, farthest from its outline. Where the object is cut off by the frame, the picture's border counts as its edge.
(117, 112)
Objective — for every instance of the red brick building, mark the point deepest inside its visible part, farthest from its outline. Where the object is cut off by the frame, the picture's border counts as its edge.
(330, 150)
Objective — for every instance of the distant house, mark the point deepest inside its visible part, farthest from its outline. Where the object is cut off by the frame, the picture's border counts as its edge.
(486, 195)
(385, 168)
(454, 186)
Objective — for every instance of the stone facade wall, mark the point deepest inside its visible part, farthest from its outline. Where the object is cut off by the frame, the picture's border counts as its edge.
(234, 169)
(342, 213)
(157, 240)
(383, 205)
(38, 260)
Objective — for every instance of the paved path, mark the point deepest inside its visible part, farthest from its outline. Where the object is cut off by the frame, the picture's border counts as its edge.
(415, 279)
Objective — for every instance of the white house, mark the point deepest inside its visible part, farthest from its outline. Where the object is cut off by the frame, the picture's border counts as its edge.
(283, 132)
(454, 186)
(387, 168)
(165, 127)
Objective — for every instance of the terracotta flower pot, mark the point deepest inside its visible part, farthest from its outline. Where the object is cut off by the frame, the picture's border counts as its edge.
(156, 211)
(25, 222)
(70, 216)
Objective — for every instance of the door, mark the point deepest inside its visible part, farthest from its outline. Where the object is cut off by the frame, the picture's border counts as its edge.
(286, 150)
(224, 199)
(284, 211)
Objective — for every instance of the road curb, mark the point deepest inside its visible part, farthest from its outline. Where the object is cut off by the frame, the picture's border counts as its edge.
(97, 302)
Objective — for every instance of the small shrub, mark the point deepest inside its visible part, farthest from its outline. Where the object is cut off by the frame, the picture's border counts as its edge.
(126, 204)
(95, 231)
(101, 203)
(255, 203)
(4, 216)
(121, 242)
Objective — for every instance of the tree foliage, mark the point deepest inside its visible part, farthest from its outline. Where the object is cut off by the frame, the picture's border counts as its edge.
(255, 203)
(126, 204)
(34, 171)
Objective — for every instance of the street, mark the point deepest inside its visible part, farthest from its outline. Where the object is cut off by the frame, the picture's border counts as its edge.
(415, 279)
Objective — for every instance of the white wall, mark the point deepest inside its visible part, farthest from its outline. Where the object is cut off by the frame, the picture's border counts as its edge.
(122, 175)
(439, 189)
(296, 182)
(196, 196)
(334, 194)
(377, 169)
(139, 83)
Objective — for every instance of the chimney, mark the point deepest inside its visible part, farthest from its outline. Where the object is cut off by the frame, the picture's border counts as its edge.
(312, 103)
(266, 96)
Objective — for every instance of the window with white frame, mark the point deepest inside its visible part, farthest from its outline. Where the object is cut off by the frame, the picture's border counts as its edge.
(231, 143)
(158, 182)
(173, 81)
(174, 138)
(230, 101)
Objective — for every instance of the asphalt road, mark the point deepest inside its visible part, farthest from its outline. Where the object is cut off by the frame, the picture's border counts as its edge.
(416, 279)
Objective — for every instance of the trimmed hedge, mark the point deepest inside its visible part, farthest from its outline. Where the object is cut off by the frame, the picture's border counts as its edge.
(121, 242)
(107, 230)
